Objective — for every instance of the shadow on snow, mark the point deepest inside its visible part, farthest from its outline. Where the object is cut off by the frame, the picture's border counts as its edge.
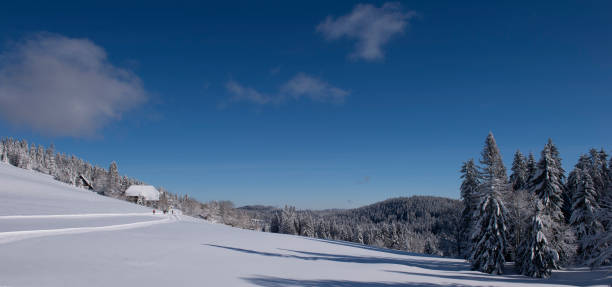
(282, 282)
(313, 256)
(581, 277)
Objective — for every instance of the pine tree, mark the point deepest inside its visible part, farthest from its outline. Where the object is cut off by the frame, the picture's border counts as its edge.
(40, 158)
(516, 201)
(469, 194)
(33, 158)
(520, 171)
(598, 169)
(547, 184)
(584, 219)
(306, 226)
(489, 237)
(491, 161)
(602, 241)
(493, 170)
(531, 167)
(50, 160)
(287, 221)
(23, 157)
(573, 181)
(4, 156)
(537, 257)
(112, 185)
(605, 169)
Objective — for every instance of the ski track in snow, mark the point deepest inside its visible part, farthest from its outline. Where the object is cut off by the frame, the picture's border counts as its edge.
(86, 215)
(11, 236)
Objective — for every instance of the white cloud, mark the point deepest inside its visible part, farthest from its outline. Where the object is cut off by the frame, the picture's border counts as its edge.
(241, 93)
(315, 89)
(370, 26)
(298, 87)
(64, 86)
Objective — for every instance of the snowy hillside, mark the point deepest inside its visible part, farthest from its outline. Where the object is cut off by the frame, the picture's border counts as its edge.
(52, 234)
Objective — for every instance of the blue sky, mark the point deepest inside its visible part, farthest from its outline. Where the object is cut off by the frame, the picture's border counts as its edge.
(317, 104)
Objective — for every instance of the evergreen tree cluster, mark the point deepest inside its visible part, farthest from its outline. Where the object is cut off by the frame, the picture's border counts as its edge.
(65, 168)
(537, 218)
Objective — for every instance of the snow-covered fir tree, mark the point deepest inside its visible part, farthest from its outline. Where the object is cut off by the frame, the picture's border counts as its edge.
(547, 184)
(573, 181)
(520, 172)
(113, 186)
(537, 257)
(491, 161)
(584, 215)
(598, 169)
(4, 154)
(307, 226)
(33, 157)
(469, 195)
(287, 220)
(602, 241)
(489, 237)
(531, 167)
(517, 202)
(50, 159)
(21, 155)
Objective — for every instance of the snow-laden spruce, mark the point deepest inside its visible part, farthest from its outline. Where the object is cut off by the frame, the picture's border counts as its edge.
(547, 184)
(602, 241)
(520, 172)
(488, 242)
(531, 166)
(536, 257)
(489, 237)
(491, 161)
(469, 194)
(584, 215)
(519, 203)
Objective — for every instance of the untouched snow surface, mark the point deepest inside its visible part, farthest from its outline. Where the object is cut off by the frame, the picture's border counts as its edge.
(79, 238)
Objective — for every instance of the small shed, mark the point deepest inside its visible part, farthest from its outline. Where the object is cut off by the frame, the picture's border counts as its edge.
(142, 194)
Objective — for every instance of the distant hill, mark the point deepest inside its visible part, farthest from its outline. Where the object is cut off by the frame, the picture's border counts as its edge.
(424, 224)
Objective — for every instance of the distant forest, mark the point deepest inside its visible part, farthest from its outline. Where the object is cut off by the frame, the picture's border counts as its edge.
(538, 217)
(422, 224)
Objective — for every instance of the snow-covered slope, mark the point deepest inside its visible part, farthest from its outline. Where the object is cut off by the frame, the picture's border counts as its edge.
(97, 241)
(27, 192)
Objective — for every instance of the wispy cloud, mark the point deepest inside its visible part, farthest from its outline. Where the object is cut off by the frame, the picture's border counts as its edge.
(241, 93)
(370, 26)
(305, 86)
(64, 86)
(298, 87)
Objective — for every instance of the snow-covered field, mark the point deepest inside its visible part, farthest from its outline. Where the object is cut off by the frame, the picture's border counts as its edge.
(52, 234)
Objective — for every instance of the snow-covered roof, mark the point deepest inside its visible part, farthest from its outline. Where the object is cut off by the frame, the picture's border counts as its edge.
(147, 191)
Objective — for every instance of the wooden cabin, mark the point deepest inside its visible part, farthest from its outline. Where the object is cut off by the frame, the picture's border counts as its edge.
(142, 194)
